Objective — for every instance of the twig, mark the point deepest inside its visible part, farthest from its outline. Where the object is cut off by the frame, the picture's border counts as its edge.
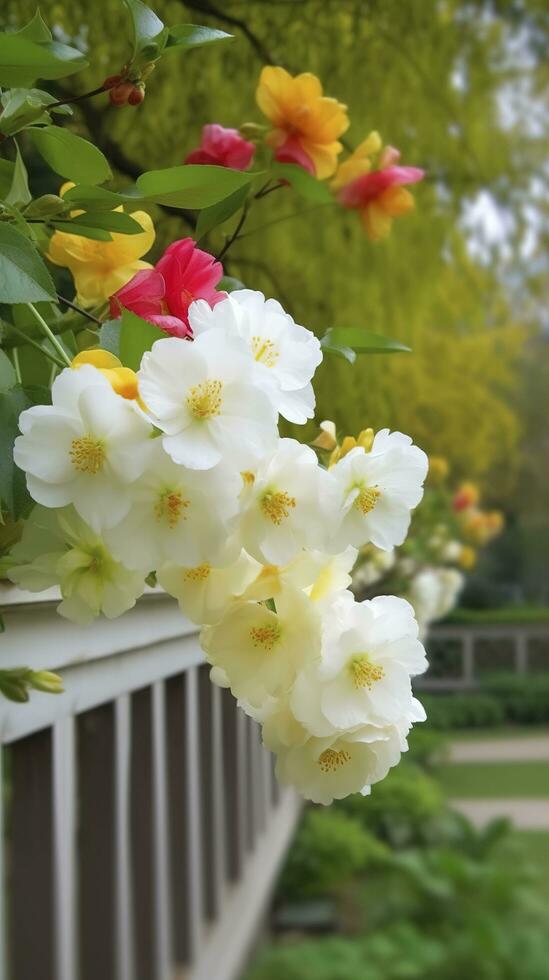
(34, 343)
(50, 335)
(78, 309)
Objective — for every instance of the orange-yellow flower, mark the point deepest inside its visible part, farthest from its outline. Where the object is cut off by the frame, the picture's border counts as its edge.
(100, 268)
(122, 379)
(377, 194)
(306, 124)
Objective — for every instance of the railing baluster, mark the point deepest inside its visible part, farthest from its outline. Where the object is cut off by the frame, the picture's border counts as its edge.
(250, 808)
(95, 747)
(3, 876)
(141, 834)
(162, 910)
(275, 786)
(210, 785)
(192, 760)
(31, 915)
(124, 931)
(234, 771)
(218, 802)
(64, 810)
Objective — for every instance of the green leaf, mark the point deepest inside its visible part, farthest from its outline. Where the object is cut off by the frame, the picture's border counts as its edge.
(193, 36)
(347, 353)
(19, 193)
(99, 226)
(149, 34)
(23, 275)
(36, 29)
(136, 336)
(192, 185)
(6, 177)
(93, 198)
(22, 60)
(7, 372)
(109, 336)
(361, 341)
(303, 183)
(218, 213)
(13, 491)
(85, 231)
(228, 284)
(23, 106)
(70, 155)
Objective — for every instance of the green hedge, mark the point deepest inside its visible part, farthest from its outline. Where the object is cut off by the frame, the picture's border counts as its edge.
(503, 699)
(448, 711)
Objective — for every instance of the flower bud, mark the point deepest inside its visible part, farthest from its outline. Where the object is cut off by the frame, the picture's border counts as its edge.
(252, 131)
(47, 681)
(137, 94)
(119, 95)
(45, 206)
(111, 81)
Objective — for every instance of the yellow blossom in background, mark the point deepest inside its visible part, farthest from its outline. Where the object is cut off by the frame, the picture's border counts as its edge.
(364, 440)
(467, 557)
(99, 269)
(438, 469)
(358, 163)
(122, 379)
(306, 124)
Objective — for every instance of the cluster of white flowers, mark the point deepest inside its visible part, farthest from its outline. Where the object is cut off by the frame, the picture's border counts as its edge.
(247, 530)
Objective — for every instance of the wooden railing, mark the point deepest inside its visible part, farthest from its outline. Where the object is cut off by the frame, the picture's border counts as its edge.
(141, 826)
(460, 655)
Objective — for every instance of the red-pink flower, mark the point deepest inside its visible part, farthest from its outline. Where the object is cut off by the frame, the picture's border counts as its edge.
(223, 148)
(291, 151)
(163, 295)
(378, 195)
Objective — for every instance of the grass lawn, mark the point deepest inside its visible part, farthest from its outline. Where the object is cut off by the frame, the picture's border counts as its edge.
(489, 780)
(497, 732)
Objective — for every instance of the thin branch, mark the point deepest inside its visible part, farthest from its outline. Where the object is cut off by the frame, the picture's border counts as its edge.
(49, 334)
(205, 7)
(236, 233)
(78, 309)
(25, 339)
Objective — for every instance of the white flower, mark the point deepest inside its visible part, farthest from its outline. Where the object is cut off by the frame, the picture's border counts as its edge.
(58, 548)
(200, 394)
(177, 515)
(285, 506)
(203, 592)
(261, 650)
(376, 565)
(363, 677)
(321, 575)
(83, 449)
(324, 769)
(434, 592)
(286, 355)
(377, 491)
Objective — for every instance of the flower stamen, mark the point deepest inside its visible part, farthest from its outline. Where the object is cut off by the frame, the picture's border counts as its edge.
(87, 454)
(199, 574)
(364, 672)
(265, 636)
(331, 760)
(367, 499)
(204, 400)
(276, 505)
(171, 506)
(265, 351)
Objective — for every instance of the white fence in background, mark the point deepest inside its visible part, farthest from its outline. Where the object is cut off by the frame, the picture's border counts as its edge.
(460, 655)
(141, 827)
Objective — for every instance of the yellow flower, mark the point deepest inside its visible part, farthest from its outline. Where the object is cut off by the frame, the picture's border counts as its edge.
(438, 469)
(467, 557)
(358, 163)
(364, 440)
(122, 379)
(306, 124)
(99, 269)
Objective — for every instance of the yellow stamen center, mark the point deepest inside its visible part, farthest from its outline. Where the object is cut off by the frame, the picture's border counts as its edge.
(247, 478)
(265, 351)
(331, 760)
(276, 505)
(265, 636)
(87, 454)
(199, 574)
(364, 672)
(204, 400)
(367, 499)
(170, 507)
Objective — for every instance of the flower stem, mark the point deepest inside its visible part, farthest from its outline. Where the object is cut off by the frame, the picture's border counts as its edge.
(78, 98)
(16, 365)
(50, 335)
(78, 309)
(33, 343)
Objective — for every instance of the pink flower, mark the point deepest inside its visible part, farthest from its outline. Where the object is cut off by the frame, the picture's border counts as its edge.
(223, 147)
(291, 151)
(163, 295)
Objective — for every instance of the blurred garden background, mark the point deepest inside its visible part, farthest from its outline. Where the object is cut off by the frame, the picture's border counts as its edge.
(417, 881)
